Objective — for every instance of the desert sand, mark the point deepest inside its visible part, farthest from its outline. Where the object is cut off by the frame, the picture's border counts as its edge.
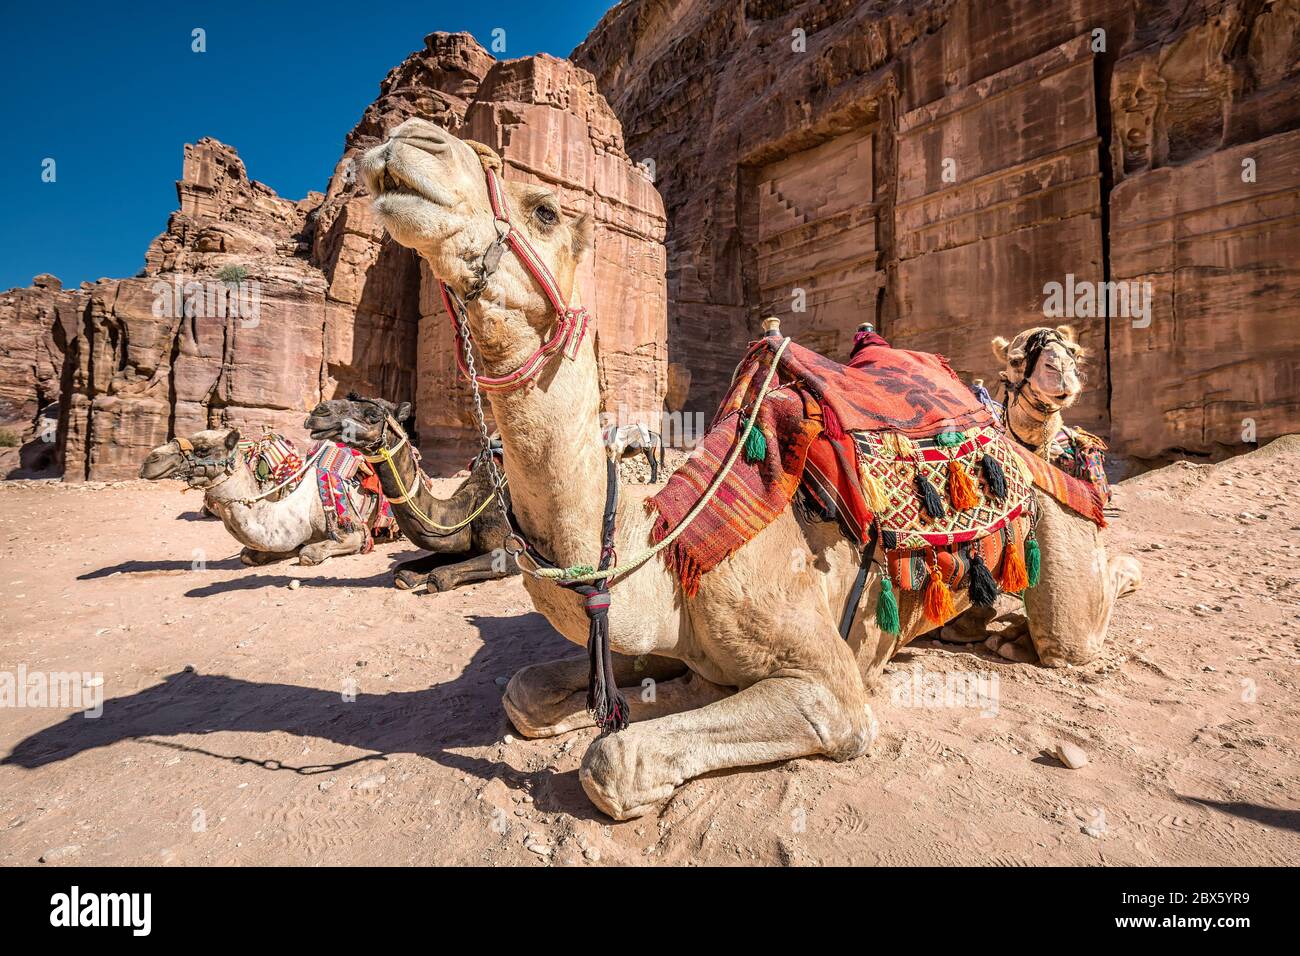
(251, 721)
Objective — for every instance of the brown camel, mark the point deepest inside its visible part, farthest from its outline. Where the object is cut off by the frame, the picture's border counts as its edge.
(750, 670)
(437, 525)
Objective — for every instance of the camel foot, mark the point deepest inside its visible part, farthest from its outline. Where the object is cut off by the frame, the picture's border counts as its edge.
(409, 580)
(256, 559)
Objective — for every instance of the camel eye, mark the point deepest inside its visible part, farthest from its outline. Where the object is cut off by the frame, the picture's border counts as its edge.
(546, 215)
(373, 414)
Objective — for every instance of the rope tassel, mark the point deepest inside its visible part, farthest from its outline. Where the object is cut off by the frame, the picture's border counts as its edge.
(1033, 562)
(995, 476)
(938, 598)
(983, 588)
(961, 490)
(755, 445)
(887, 607)
(1014, 577)
(605, 701)
(930, 500)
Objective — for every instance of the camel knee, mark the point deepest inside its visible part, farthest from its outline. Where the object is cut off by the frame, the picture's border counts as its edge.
(842, 730)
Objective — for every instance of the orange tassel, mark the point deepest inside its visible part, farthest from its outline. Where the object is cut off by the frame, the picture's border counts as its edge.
(961, 490)
(1014, 576)
(938, 599)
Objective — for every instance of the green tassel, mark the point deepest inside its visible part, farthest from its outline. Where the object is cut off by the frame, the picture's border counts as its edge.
(577, 571)
(887, 607)
(755, 445)
(948, 439)
(1033, 561)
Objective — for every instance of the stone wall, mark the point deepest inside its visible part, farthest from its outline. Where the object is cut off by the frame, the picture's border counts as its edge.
(931, 167)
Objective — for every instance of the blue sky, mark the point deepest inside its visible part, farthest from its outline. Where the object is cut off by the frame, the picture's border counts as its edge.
(113, 94)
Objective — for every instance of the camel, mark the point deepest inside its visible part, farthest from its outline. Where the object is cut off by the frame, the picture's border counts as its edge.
(1040, 379)
(750, 670)
(369, 424)
(270, 530)
(622, 441)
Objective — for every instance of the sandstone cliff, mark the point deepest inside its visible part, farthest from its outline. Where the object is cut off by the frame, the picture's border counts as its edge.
(932, 166)
(251, 307)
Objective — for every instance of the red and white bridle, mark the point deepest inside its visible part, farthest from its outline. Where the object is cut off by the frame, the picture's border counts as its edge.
(570, 327)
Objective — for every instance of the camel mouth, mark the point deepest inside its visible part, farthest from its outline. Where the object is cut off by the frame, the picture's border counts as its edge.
(321, 428)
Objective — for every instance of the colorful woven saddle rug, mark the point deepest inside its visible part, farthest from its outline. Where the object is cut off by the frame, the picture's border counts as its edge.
(896, 449)
(272, 458)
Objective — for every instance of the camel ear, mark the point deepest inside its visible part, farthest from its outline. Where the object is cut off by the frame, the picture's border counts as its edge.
(1067, 333)
(232, 439)
(486, 155)
(403, 412)
(582, 231)
(1000, 348)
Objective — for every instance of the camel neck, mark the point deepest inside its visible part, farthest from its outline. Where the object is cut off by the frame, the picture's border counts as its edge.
(554, 460)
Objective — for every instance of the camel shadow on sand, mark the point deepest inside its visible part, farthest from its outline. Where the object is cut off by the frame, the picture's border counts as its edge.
(435, 722)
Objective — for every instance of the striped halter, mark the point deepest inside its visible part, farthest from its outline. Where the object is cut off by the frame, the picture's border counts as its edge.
(570, 328)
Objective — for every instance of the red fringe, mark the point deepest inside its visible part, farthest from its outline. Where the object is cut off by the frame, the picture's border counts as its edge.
(831, 426)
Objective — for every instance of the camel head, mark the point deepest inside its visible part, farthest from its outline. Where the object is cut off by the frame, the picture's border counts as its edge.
(1052, 360)
(354, 421)
(199, 460)
(431, 195)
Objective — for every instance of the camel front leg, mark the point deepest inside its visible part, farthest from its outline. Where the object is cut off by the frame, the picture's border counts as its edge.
(631, 773)
(1069, 611)
(482, 567)
(548, 699)
(255, 559)
(349, 543)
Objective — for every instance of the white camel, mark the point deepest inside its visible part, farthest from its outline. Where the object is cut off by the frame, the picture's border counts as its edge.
(271, 528)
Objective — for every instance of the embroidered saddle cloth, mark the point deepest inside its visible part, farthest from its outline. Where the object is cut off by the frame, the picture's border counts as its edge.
(892, 441)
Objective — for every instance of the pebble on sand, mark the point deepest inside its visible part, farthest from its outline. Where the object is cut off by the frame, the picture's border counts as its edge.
(58, 853)
(295, 584)
(1071, 755)
(372, 782)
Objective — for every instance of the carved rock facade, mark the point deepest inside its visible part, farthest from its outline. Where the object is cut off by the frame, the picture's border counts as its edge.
(932, 167)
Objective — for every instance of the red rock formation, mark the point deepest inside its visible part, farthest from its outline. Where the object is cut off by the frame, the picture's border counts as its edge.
(931, 167)
(251, 307)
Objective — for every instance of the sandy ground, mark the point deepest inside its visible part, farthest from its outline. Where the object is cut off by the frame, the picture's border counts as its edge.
(226, 736)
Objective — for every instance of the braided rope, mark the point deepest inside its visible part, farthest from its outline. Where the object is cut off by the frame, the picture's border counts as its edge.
(410, 503)
(575, 575)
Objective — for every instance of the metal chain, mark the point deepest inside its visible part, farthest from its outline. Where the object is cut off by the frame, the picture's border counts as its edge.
(462, 321)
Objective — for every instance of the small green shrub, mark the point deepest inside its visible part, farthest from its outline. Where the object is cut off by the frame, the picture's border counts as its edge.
(9, 438)
(232, 275)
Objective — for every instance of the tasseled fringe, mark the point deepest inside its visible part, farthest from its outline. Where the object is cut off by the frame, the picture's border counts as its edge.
(755, 445)
(930, 500)
(887, 606)
(605, 701)
(1033, 562)
(874, 492)
(983, 589)
(831, 426)
(995, 476)
(961, 490)
(1014, 577)
(938, 598)
(904, 446)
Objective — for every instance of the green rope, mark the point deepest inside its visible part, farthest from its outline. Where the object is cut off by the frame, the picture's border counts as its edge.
(562, 574)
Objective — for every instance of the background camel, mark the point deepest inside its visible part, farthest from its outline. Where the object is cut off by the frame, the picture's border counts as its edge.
(752, 669)
(1041, 377)
(270, 530)
(368, 424)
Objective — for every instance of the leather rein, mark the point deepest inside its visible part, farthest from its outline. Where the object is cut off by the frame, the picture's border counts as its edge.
(571, 324)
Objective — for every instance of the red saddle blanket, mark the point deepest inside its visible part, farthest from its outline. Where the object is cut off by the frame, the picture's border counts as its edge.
(807, 419)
